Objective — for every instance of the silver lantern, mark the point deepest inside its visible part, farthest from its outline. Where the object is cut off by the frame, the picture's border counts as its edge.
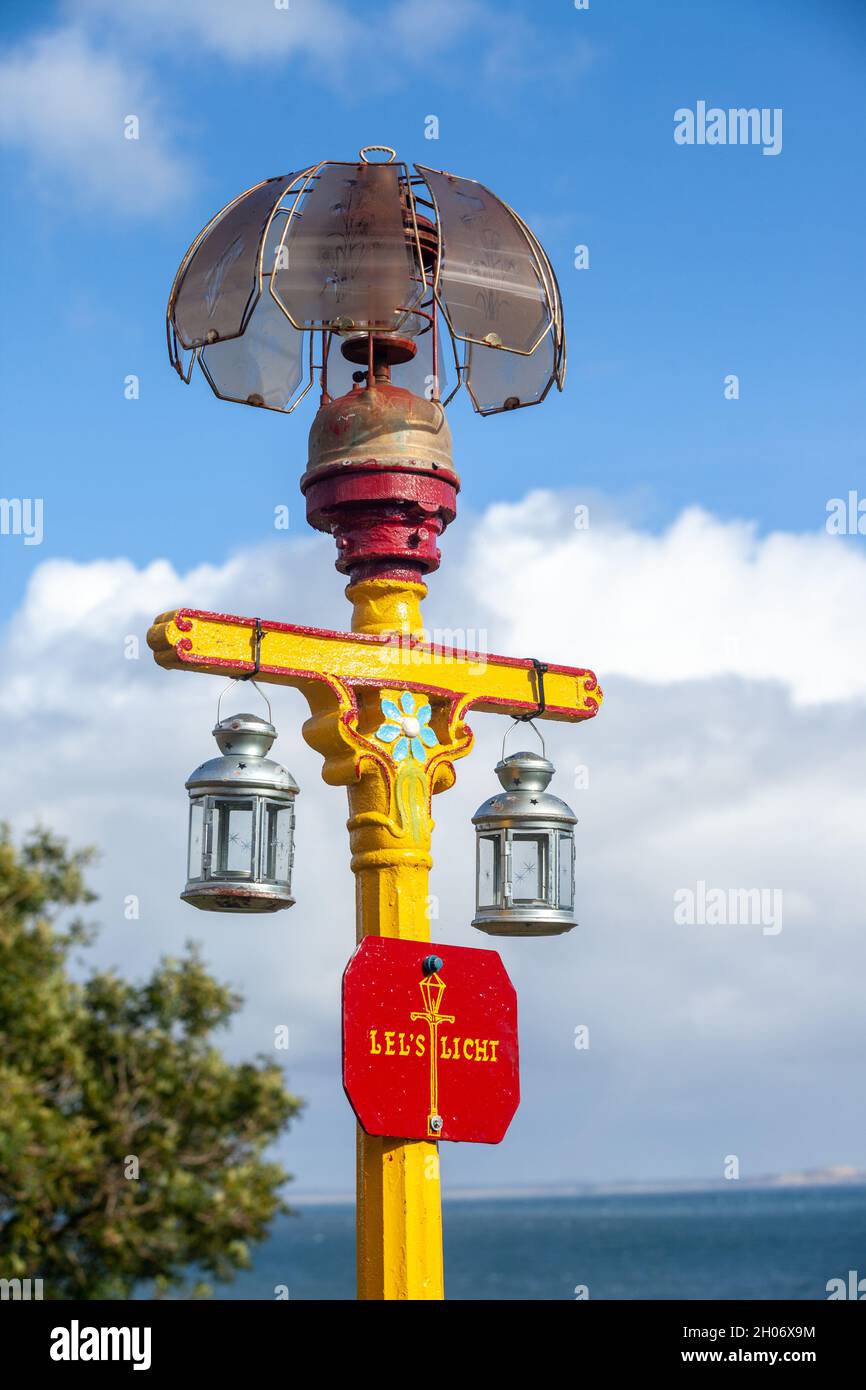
(525, 853)
(241, 822)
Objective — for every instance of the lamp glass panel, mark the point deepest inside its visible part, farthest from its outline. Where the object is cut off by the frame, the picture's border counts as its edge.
(489, 276)
(416, 376)
(234, 839)
(349, 257)
(488, 870)
(501, 380)
(196, 840)
(215, 290)
(566, 870)
(264, 366)
(340, 370)
(278, 845)
(528, 867)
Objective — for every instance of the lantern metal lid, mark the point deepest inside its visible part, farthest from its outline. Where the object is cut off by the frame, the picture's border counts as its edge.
(525, 853)
(241, 831)
(524, 777)
(244, 740)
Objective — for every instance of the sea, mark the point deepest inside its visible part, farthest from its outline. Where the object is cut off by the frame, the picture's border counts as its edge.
(731, 1243)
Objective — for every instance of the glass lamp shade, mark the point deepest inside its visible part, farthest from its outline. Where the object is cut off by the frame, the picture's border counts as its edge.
(368, 247)
(241, 823)
(525, 853)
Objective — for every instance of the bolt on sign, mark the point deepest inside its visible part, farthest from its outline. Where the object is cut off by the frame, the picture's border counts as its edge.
(430, 1041)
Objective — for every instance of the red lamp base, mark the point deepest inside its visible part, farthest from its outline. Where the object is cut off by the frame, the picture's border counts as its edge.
(381, 481)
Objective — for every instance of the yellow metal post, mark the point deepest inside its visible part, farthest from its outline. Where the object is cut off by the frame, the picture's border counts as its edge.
(399, 1207)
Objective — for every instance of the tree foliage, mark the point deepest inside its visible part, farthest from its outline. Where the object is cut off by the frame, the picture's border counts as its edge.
(130, 1149)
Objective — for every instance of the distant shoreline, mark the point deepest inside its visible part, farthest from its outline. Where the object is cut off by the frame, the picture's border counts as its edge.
(791, 1182)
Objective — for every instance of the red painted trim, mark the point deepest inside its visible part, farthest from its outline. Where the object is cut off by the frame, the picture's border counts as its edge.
(373, 466)
(339, 687)
(375, 639)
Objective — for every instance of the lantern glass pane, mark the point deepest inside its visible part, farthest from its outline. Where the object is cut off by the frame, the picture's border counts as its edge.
(196, 840)
(265, 366)
(566, 871)
(528, 868)
(350, 261)
(488, 870)
(500, 380)
(234, 839)
(415, 376)
(278, 846)
(490, 278)
(340, 370)
(217, 285)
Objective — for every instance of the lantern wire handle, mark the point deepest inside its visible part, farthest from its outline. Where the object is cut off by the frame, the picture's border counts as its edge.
(540, 667)
(253, 683)
(383, 149)
(524, 719)
(257, 657)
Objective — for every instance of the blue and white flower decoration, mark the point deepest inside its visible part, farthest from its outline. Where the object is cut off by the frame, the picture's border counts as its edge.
(407, 727)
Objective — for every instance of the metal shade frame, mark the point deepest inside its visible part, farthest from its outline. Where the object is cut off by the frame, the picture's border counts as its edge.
(430, 303)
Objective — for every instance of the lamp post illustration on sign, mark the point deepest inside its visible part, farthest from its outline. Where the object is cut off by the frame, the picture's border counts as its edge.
(390, 290)
(432, 988)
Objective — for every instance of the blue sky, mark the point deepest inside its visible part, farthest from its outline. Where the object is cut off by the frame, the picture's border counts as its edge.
(727, 626)
(702, 262)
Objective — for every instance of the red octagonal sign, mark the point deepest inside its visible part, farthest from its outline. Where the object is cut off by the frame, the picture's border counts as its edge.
(430, 1041)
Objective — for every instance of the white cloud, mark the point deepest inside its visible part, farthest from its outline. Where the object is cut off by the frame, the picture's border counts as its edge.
(64, 101)
(65, 93)
(704, 1041)
(409, 24)
(252, 31)
(504, 48)
(707, 598)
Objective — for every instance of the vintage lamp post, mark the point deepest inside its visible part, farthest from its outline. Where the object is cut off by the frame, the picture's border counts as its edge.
(391, 290)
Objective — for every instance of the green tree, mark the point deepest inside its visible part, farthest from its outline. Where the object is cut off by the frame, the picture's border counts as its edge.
(130, 1149)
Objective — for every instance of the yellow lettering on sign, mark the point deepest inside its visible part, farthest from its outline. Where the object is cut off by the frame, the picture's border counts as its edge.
(398, 1043)
(454, 1049)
